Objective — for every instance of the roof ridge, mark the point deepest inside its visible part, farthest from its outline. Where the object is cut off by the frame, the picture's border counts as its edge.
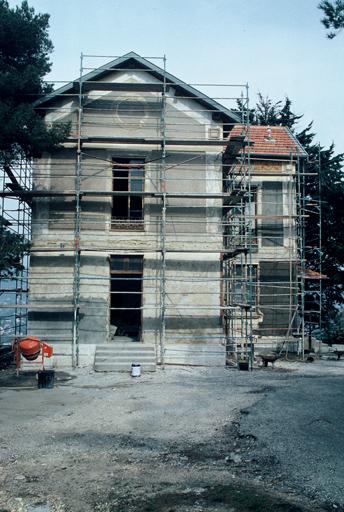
(296, 140)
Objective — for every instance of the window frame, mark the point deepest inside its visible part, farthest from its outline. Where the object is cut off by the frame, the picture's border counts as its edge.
(128, 222)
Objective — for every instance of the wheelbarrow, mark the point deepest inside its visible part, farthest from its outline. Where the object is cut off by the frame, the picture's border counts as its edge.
(269, 357)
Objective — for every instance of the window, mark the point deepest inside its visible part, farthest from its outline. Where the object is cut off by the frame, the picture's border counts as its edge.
(272, 230)
(127, 209)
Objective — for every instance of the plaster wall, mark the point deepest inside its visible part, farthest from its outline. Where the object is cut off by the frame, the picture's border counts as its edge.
(276, 261)
(192, 224)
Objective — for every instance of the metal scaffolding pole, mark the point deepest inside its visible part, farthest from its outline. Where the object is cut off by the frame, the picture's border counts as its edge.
(77, 227)
(163, 221)
(15, 218)
(301, 246)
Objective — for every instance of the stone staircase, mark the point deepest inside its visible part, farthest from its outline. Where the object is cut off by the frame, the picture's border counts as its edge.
(119, 356)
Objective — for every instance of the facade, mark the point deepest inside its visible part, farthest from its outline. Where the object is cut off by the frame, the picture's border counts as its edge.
(263, 241)
(138, 235)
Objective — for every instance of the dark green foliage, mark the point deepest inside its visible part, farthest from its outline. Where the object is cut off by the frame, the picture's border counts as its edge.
(328, 187)
(333, 20)
(324, 183)
(266, 112)
(12, 249)
(24, 61)
(279, 113)
(334, 332)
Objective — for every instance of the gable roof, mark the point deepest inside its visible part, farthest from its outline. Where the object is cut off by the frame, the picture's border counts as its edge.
(277, 141)
(127, 62)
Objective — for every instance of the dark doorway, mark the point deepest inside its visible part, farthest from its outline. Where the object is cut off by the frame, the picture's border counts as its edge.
(126, 274)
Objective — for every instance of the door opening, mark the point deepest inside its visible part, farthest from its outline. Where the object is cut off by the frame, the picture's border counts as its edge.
(126, 274)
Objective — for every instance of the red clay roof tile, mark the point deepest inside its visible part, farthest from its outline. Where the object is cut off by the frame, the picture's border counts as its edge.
(270, 140)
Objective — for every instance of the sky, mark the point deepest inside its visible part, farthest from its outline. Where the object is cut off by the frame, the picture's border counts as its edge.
(278, 47)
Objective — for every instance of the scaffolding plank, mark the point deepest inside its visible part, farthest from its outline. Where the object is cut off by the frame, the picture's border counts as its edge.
(118, 86)
(153, 141)
(93, 193)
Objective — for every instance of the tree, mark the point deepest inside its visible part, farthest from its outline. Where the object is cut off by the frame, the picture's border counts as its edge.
(324, 182)
(334, 16)
(266, 112)
(269, 113)
(24, 61)
(12, 249)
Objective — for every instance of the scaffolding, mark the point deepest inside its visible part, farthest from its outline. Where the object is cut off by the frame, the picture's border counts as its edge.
(15, 217)
(158, 181)
(312, 253)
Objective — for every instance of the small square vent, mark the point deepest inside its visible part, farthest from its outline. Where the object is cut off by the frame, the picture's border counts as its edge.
(214, 133)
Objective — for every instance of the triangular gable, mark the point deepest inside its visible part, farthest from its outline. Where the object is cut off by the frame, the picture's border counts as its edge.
(133, 58)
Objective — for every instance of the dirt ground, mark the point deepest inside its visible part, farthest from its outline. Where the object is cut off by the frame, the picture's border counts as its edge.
(178, 440)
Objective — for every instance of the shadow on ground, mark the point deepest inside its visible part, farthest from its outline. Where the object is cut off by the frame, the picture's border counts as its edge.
(219, 498)
(9, 378)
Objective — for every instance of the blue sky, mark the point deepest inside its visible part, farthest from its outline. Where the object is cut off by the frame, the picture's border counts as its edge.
(277, 46)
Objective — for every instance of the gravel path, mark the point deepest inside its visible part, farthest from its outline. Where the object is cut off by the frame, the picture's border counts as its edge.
(177, 440)
(302, 428)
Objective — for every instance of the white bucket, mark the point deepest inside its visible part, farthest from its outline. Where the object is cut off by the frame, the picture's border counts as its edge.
(135, 370)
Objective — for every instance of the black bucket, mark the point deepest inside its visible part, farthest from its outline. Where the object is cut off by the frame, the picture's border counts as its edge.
(46, 379)
(243, 366)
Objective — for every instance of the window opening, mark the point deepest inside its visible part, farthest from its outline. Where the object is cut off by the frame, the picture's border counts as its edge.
(127, 209)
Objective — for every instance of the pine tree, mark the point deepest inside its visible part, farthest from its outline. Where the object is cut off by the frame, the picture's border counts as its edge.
(334, 16)
(12, 249)
(24, 61)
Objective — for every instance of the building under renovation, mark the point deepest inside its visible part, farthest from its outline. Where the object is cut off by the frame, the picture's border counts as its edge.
(166, 228)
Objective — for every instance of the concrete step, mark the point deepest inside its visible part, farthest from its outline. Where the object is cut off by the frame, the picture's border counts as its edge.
(117, 357)
(125, 351)
(129, 350)
(129, 346)
(129, 353)
(131, 359)
(125, 339)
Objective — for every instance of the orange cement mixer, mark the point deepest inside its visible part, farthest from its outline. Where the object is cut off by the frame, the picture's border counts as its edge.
(31, 348)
